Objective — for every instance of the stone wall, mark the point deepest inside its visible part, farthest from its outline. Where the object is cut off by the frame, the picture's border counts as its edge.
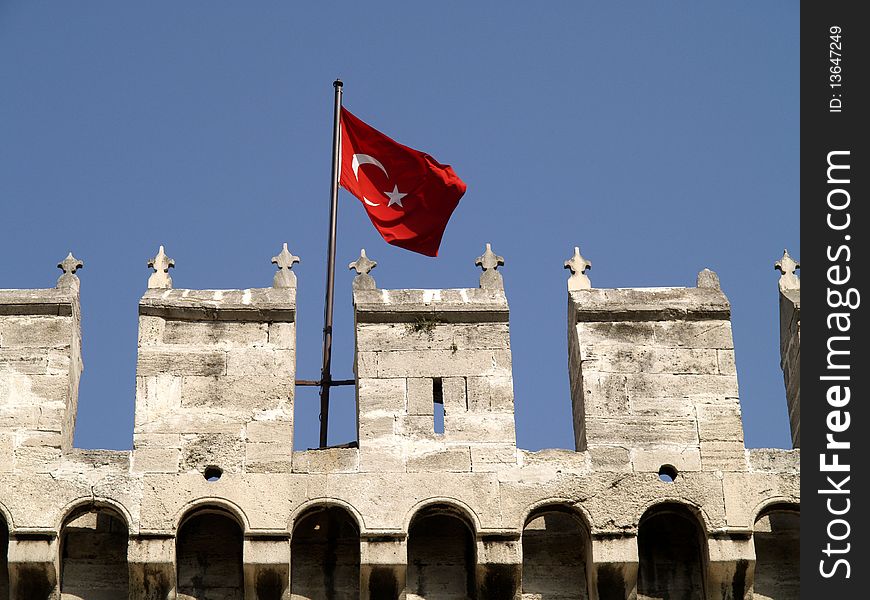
(213, 501)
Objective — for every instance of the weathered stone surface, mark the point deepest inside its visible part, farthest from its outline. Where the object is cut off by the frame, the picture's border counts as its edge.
(158, 362)
(257, 362)
(452, 460)
(237, 393)
(37, 331)
(686, 458)
(443, 363)
(433, 336)
(223, 333)
(653, 383)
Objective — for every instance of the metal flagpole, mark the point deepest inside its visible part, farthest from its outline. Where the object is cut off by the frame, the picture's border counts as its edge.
(325, 373)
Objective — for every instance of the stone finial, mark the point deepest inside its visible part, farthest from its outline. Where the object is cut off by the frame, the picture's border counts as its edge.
(787, 265)
(489, 262)
(69, 266)
(708, 279)
(161, 264)
(363, 266)
(578, 265)
(285, 277)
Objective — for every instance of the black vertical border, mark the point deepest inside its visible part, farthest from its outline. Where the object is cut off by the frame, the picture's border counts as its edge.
(823, 131)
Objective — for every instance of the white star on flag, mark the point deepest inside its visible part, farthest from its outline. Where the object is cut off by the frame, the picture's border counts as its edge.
(395, 196)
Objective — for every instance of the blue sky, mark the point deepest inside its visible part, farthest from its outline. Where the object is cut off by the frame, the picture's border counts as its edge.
(661, 138)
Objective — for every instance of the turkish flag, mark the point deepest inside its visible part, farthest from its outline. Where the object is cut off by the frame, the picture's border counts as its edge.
(408, 195)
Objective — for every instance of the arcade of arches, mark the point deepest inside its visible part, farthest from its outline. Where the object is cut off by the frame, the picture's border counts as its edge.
(442, 557)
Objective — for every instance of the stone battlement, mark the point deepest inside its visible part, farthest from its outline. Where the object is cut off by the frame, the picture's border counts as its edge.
(659, 496)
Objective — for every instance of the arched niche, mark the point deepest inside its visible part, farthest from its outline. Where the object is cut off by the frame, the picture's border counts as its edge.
(441, 555)
(93, 555)
(325, 555)
(777, 554)
(556, 551)
(672, 554)
(4, 555)
(209, 556)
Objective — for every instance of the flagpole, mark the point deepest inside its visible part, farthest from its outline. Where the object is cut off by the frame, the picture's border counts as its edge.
(325, 373)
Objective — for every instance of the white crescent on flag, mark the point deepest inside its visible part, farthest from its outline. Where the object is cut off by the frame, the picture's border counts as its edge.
(365, 159)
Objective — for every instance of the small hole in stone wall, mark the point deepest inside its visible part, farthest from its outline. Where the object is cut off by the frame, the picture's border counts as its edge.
(212, 473)
(668, 473)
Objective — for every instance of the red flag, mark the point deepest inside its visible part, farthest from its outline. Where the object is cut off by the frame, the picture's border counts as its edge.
(408, 195)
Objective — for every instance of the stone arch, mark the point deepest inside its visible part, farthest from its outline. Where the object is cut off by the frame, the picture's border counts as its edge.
(93, 553)
(211, 504)
(690, 507)
(208, 550)
(306, 506)
(776, 534)
(4, 555)
(442, 563)
(557, 552)
(325, 554)
(672, 551)
(453, 504)
(92, 502)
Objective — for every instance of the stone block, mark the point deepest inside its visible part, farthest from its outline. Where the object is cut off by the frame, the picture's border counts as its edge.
(723, 456)
(727, 363)
(420, 396)
(50, 388)
(156, 460)
(443, 363)
(18, 417)
(493, 457)
(375, 427)
(717, 422)
(24, 362)
(224, 334)
(365, 364)
(605, 393)
(49, 439)
(6, 454)
(641, 431)
(383, 394)
(417, 426)
(151, 330)
(650, 460)
(682, 385)
(480, 427)
(622, 358)
(774, 460)
(440, 336)
(37, 458)
(168, 362)
(224, 450)
(36, 332)
(453, 395)
(326, 460)
(662, 407)
(237, 393)
(267, 457)
(59, 362)
(446, 460)
(610, 458)
(378, 460)
(157, 395)
(52, 416)
(663, 334)
(157, 441)
(279, 431)
(282, 335)
(258, 362)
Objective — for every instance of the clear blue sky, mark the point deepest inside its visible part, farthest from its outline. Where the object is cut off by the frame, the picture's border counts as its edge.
(660, 137)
